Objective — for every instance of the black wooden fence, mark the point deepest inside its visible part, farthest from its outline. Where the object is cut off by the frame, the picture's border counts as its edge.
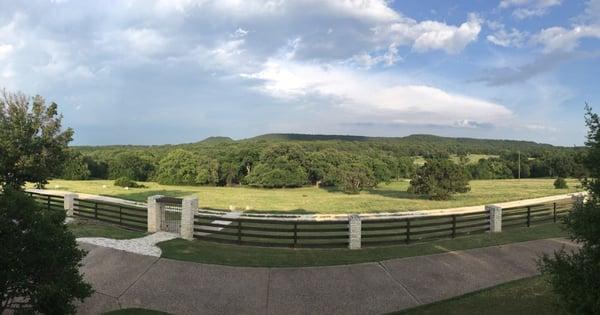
(48, 202)
(272, 232)
(535, 214)
(129, 216)
(386, 231)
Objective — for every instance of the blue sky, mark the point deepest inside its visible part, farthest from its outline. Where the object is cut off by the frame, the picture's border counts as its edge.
(174, 71)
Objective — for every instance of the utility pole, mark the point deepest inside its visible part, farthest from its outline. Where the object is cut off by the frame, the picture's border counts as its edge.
(519, 153)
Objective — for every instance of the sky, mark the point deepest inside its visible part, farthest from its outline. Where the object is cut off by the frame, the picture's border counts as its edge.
(178, 71)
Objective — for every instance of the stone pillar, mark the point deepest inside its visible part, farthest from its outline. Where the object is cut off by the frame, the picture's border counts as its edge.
(154, 213)
(189, 208)
(355, 231)
(495, 218)
(70, 204)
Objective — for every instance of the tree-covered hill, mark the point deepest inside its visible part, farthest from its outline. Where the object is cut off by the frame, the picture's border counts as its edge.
(291, 160)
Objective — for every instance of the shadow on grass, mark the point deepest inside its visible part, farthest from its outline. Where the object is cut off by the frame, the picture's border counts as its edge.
(397, 194)
(294, 211)
(142, 196)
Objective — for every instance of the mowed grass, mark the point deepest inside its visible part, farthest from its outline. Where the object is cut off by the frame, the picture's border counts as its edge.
(526, 296)
(90, 228)
(252, 256)
(387, 197)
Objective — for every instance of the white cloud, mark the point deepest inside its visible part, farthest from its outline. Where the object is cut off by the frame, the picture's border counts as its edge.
(432, 35)
(5, 50)
(504, 38)
(528, 8)
(370, 95)
(565, 39)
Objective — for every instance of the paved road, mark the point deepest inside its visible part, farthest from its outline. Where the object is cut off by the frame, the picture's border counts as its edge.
(125, 280)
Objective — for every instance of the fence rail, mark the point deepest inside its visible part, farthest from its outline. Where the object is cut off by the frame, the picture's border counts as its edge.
(534, 214)
(48, 202)
(271, 232)
(125, 215)
(302, 231)
(408, 230)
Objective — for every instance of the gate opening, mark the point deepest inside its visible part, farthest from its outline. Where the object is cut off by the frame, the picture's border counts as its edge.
(170, 214)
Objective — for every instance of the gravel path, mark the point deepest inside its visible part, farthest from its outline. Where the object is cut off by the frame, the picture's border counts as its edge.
(142, 246)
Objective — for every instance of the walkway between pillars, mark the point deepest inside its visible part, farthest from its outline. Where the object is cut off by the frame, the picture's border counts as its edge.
(126, 280)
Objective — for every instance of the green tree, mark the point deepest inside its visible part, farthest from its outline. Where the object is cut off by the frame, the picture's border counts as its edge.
(354, 176)
(575, 275)
(278, 173)
(40, 258)
(32, 142)
(75, 167)
(439, 179)
(179, 167)
(131, 165)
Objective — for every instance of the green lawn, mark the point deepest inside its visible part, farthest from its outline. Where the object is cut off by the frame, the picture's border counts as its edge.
(528, 296)
(222, 254)
(386, 197)
(135, 311)
(89, 228)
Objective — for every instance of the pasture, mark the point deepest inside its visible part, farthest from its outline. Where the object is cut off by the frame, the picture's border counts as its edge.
(386, 197)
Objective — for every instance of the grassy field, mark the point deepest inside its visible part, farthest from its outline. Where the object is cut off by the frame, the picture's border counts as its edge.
(88, 228)
(386, 197)
(233, 255)
(527, 296)
(473, 158)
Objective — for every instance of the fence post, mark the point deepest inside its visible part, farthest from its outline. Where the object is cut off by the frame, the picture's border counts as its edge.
(495, 218)
(189, 208)
(453, 226)
(407, 231)
(154, 212)
(69, 204)
(554, 212)
(528, 216)
(355, 225)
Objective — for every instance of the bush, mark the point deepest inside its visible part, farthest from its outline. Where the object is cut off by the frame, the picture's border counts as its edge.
(439, 179)
(126, 182)
(40, 259)
(575, 275)
(560, 183)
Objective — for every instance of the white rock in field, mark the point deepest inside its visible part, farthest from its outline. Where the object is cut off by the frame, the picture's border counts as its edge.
(231, 208)
(126, 188)
(248, 208)
(56, 187)
(103, 186)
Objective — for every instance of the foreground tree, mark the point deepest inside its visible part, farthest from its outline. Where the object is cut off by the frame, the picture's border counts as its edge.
(39, 259)
(575, 276)
(32, 142)
(439, 179)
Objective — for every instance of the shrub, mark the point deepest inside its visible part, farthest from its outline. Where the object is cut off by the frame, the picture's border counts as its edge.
(439, 179)
(575, 275)
(560, 183)
(126, 182)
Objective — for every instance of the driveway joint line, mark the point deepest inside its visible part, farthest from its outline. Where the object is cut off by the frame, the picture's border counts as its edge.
(387, 272)
(138, 278)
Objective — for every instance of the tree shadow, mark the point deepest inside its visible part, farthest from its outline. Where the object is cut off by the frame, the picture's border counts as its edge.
(142, 196)
(397, 194)
(293, 211)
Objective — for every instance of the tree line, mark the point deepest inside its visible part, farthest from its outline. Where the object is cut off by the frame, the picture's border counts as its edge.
(350, 164)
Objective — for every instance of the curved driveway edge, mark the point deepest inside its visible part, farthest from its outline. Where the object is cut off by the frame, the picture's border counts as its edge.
(127, 280)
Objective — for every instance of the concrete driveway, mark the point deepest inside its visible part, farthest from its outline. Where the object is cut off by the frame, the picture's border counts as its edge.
(124, 280)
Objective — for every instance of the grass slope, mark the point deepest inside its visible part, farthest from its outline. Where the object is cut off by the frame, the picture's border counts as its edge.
(221, 254)
(527, 296)
(390, 197)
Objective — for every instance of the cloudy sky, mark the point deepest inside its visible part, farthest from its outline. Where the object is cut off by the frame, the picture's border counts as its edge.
(173, 71)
